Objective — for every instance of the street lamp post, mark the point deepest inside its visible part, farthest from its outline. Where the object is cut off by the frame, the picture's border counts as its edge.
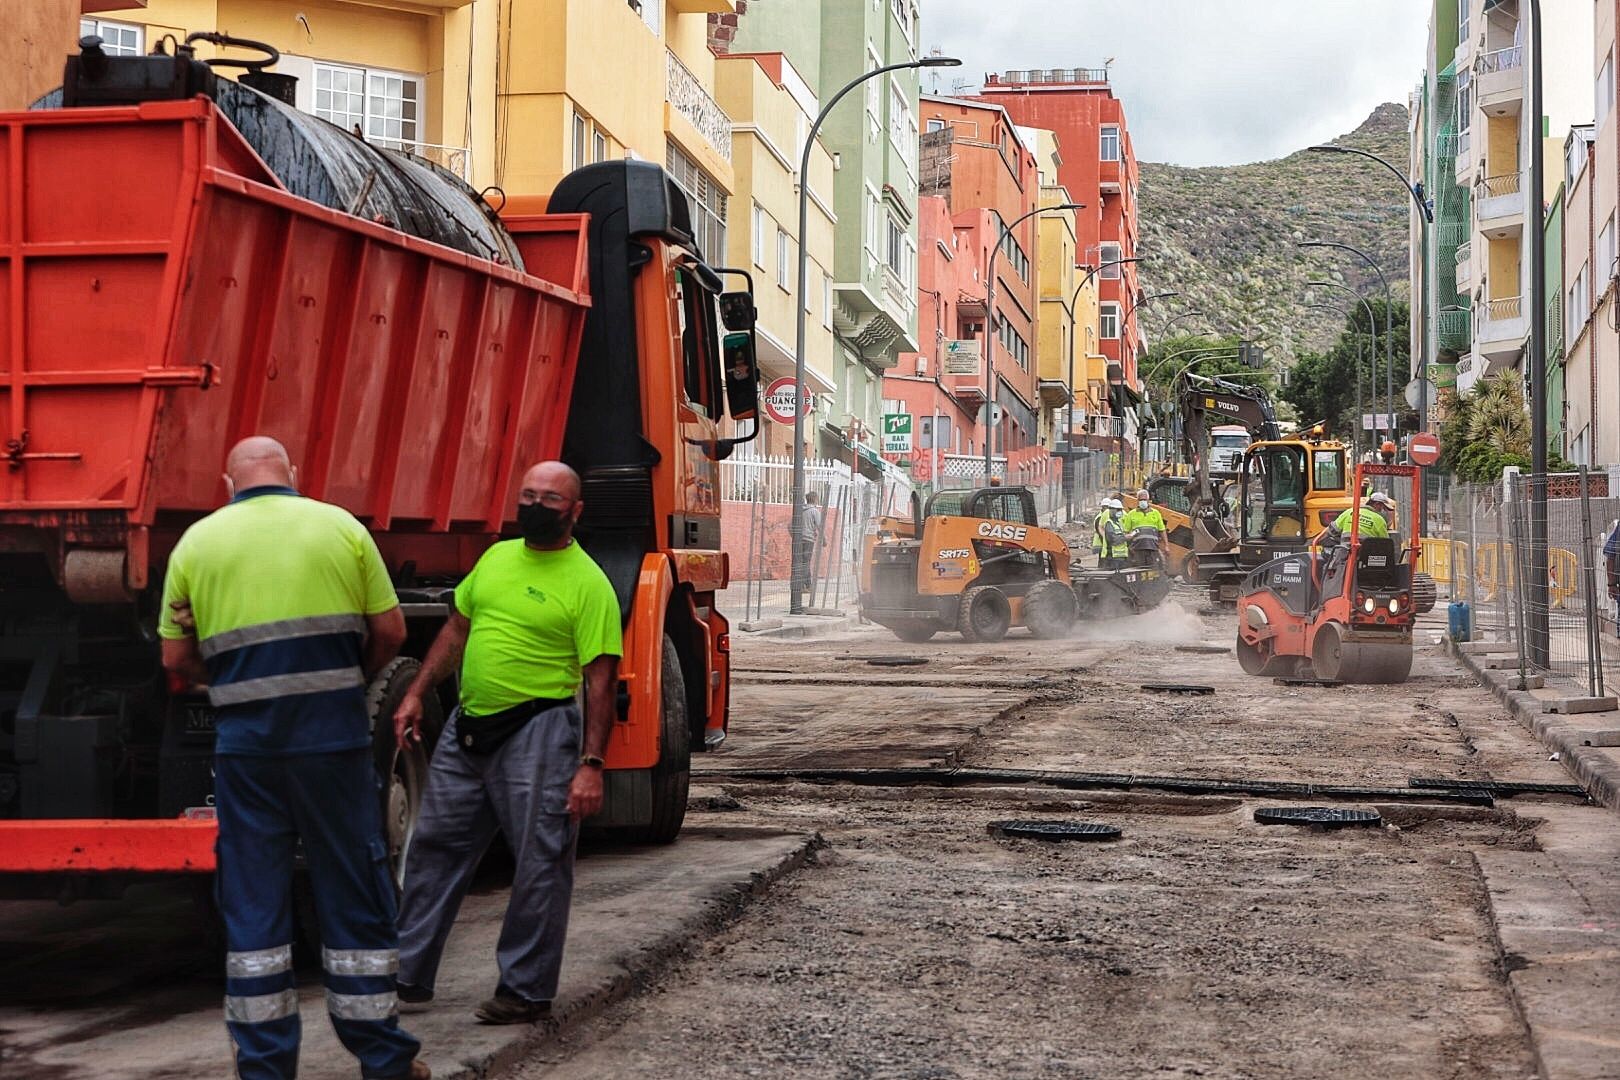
(1165, 329)
(1372, 328)
(1389, 330)
(990, 327)
(1091, 272)
(1537, 611)
(799, 570)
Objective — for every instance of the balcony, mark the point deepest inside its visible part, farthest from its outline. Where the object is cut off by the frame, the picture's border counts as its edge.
(1499, 82)
(1465, 161)
(457, 159)
(688, 98)
(1453, 330)
(1465, 267)
(1499, 205)
(1501, 331)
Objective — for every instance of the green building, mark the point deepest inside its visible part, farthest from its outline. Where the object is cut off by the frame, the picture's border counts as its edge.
(1553, 239)
(1441, 328)
(874, 140)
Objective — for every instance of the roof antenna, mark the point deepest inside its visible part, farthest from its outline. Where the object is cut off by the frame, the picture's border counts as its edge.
(933, 73)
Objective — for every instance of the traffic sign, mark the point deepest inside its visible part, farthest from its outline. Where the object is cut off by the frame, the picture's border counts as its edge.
(779, 401)
(1423, 448)
(897, 433)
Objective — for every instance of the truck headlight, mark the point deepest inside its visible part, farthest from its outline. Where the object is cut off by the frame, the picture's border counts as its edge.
(1394, 606)
(1369, 605)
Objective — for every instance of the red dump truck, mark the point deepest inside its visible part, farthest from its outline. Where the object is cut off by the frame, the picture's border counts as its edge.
(186, 261)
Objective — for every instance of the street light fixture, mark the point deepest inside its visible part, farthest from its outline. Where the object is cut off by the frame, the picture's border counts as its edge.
(1389, 327)
(1372, 328)
(1005, 230)
(1165, 329)
(1092, 272)
(799, 569)
(1414, 188)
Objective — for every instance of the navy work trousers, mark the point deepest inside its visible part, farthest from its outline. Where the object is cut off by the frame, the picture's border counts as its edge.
(522, 790)
(266, 805)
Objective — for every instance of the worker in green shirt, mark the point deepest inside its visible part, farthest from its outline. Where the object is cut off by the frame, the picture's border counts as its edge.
(1145, 515)
(1108, 538)
(1372, 520)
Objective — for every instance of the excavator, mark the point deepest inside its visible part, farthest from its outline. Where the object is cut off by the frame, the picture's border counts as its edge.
(1285, 490)
(978, 562)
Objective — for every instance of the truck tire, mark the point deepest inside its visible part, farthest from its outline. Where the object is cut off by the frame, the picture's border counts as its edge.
(984, 615)
(1050, 609)
(915, 633)
(672, 776)
(403, 772)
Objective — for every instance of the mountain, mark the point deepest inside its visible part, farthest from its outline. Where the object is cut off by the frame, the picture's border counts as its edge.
(1223, 237)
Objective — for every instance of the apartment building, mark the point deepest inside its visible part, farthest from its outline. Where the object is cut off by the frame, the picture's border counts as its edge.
(1471, 144)
(1591, 370)
(1098, 169)
(1066, 315)
(771, 106)
(873, 137)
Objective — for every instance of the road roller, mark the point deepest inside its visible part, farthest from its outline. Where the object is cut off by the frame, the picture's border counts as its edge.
(1344, 610)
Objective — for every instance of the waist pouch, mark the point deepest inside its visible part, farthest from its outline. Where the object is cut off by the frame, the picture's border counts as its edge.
(487, 734)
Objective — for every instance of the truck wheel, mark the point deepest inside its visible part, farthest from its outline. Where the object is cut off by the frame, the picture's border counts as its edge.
(672, 776)
(1050, 609)
(915, 633)
(985, 614)
(403, 772)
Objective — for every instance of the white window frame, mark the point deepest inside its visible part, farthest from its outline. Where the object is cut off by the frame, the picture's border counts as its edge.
(1107, 133)
(1110, 251)
(874, 93)
(599, 146)
(935, 124)
(100, 27)
(652, 13)
(1108, 320)
(1576, 164)
(757, 237)
(894, 246)
(369, 103)
(826, 300)
(582, 137)
(1604, 91)
(1606, 252)
(783, 257)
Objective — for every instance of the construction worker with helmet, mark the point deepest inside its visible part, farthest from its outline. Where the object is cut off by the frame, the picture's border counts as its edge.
(1372, 520)
(1108, 536)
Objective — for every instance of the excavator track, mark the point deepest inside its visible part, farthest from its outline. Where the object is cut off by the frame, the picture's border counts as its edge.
(1365, 663)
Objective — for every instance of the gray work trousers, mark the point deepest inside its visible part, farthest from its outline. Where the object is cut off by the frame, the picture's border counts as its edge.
(521, 789)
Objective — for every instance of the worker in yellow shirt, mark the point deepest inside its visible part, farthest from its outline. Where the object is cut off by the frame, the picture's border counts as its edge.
(1372, 519)
(1145, 515)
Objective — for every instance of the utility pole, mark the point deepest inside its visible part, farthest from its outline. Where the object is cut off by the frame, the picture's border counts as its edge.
(1537, 618)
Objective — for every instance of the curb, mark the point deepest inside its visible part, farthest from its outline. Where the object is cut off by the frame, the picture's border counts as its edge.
(1597, 771)
(640, 969)
(821, 626)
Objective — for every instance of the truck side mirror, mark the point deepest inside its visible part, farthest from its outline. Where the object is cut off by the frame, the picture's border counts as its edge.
(742, 372)
(737, 310)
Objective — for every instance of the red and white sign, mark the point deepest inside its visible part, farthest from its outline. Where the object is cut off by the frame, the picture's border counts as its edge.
(1423, 448)
(779, 401)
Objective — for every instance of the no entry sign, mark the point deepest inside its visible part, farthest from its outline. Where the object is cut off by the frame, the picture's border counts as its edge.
(1423, 448)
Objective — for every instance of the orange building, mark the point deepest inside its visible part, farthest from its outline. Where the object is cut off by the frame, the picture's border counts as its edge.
(1099, 170)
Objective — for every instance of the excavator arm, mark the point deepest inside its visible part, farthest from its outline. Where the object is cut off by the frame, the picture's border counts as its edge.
(1205, 399)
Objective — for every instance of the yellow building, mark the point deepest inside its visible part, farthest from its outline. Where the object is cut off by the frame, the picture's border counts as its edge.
(1067, 319)
(510, 93)
(771, 108)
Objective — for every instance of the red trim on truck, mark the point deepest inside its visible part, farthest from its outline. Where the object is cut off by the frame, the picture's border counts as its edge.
(89, 846)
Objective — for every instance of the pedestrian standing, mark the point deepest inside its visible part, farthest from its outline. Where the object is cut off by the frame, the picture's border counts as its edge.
(1611, 566)
(534, 618)
(807, 538)
(282, 607)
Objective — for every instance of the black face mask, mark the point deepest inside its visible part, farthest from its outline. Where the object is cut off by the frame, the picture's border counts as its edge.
(542, 525)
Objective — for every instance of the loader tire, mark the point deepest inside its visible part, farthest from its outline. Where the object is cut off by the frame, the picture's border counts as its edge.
(915, 633)
(1050, 609)
(984, 615)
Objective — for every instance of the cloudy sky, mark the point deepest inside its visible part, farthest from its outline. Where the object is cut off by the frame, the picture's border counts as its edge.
(1205, 82)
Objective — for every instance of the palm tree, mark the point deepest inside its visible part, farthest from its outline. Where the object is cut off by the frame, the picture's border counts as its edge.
(1497, 416)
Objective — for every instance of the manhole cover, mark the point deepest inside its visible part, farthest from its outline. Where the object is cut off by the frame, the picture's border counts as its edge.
(1177, 688)
(1055, 830)
(1209, 649)
(1214, 611)
(1305, 680)
(896, 661)
(1323, 817)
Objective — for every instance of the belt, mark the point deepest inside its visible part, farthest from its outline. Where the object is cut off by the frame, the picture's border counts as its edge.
(487, 734)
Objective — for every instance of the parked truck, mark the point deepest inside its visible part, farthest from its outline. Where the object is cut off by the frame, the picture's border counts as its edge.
(188, 261)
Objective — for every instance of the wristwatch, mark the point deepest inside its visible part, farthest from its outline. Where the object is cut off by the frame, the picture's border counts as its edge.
(591, 759)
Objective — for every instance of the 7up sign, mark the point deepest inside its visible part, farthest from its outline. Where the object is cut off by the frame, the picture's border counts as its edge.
(897, 433)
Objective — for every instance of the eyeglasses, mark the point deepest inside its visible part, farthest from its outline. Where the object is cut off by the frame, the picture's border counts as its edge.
(553, 499)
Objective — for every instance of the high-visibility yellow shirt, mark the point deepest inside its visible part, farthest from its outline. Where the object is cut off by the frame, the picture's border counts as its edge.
(1136, 519)
(1370, 523)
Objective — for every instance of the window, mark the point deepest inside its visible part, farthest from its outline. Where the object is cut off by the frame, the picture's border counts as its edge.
(1462, 21)
(1109, 150)
(1012, 342)
(699, 345)
(382, 105)
(1605, 90)
(1465, 100)
(599, 147)
(782, 258)
(652, 12)
(874, 224)
(579, 141)
(902, 126)
(936, 124)
(1109, 254)
(1108, 322)
(1606, 252)
(874, 93)
(757, 237)
(894, 248)
(902, 15)
(706, 201)
(1013, 252)
(826, 301)
(1328, 470)
(1577, 159)
(117, 39)
(1579, 301)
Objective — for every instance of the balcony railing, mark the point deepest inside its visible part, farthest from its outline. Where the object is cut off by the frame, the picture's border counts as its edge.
(1501, 60)
(1504, 307)
(1453, 329)
(1464, 252)
(1493, 186)
(1059, 76)
(683, 91)
(458, 159)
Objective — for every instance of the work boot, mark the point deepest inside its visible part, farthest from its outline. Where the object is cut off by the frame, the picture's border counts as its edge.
(418, 1071)
(506, 1008)
(411, 994)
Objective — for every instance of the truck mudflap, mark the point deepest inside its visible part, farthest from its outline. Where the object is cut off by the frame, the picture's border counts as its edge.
(102, 846)
(1114, 594)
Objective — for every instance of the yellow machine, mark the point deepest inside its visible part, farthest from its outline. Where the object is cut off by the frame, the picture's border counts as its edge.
(978, 562)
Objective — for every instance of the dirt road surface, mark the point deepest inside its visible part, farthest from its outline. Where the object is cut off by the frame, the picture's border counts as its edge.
(1198, 944)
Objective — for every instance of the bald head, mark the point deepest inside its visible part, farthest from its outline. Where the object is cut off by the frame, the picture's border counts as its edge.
(258, 461)
(551, 476)
(549, 505)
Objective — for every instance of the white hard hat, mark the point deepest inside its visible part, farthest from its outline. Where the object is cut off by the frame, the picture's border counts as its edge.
(1113, 504)
(1381, 499)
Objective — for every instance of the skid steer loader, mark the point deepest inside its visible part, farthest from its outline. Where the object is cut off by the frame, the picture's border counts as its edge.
(977, 562)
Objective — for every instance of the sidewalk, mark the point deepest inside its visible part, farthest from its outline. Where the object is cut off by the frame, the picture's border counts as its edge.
(771, 602)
